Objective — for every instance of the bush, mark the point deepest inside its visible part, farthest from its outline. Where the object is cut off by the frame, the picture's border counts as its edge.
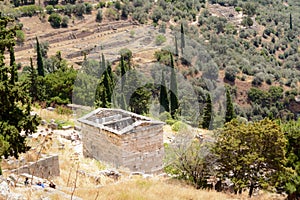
(160, 39)
(230, 73)
(258, 79)
(49, 9)
(80, 9)
(99, 16)
(55, 20)
(179, 126)
(88, 8)
(65, 21)
(165, 116)
(20, 36)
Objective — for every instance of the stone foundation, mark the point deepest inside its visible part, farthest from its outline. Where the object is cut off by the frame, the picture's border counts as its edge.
(44, 168)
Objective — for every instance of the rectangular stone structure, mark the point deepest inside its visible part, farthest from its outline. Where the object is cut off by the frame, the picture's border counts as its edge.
(123, 138)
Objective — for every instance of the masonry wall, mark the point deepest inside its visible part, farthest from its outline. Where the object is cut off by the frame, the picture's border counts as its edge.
(143, 149)
(101, 145)
(44, 168)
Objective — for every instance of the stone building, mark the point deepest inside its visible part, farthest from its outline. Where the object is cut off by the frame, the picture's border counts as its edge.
(122, 138)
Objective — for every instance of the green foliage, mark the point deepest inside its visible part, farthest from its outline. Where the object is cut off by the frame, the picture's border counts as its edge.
(230, 114)
(247, 21)
(189, 160)
(165, 116)
(292, 133)
(20, 37)
(60, 85)
(65, 22)
(105, 86)
(182, 38)
(246, 154)
(163, 96)
(230, 73)
(55, 20)
(79, 9)
(88, 8)
(15, 104)
(139, 100)
(179, 126)
(49, 9)
(173, 89)
(160, 39)
(29, 10)
(207, 118)
(40, 65)
(99, 16)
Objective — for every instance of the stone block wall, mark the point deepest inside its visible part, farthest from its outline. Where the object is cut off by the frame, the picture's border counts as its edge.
(143, 149)
(44, 168)
(101, 145)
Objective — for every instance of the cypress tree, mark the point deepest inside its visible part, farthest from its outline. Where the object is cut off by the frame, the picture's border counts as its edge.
(13, 72)
(40, 64)
(207, 113)
(229, 107)
(123, 72)
(173, 89)
(176, 46)
(104, 89)
(291, 21)
(15, 104)
(33, 81)
(182, 38)
(163, 97)
(107, 90)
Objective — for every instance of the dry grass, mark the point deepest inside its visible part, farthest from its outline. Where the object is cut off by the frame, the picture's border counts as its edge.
(49, 115)
(152, 189)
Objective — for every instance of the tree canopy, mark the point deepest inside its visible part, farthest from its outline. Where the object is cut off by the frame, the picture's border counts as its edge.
(250, 154)
(15, 104)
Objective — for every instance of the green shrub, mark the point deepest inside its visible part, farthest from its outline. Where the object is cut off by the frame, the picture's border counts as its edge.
(160, 39)
(55, 20)
(165, 116)
(171, 121)
(177, 126)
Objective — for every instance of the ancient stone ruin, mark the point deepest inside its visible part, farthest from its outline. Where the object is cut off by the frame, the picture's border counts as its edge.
(122, 138)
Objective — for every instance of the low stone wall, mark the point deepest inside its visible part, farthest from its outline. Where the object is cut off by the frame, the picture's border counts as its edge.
(44, 168)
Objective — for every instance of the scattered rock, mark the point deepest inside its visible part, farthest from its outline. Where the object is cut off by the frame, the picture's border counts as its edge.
(4, 189)
(66, 127)
(53, 126)
(15, 196)
(43, 122)
(50, 108)
(110, 173)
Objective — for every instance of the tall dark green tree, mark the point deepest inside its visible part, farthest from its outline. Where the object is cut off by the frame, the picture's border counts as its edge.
(182, 38)
(33, 82)
(105, 87)
(123, 72)
(40, 64)
(230, 114)
(291, 21)
(163, 96)
(15, 104)
(13, 72)
(173, 89)
(176, 46)
(207, 113)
